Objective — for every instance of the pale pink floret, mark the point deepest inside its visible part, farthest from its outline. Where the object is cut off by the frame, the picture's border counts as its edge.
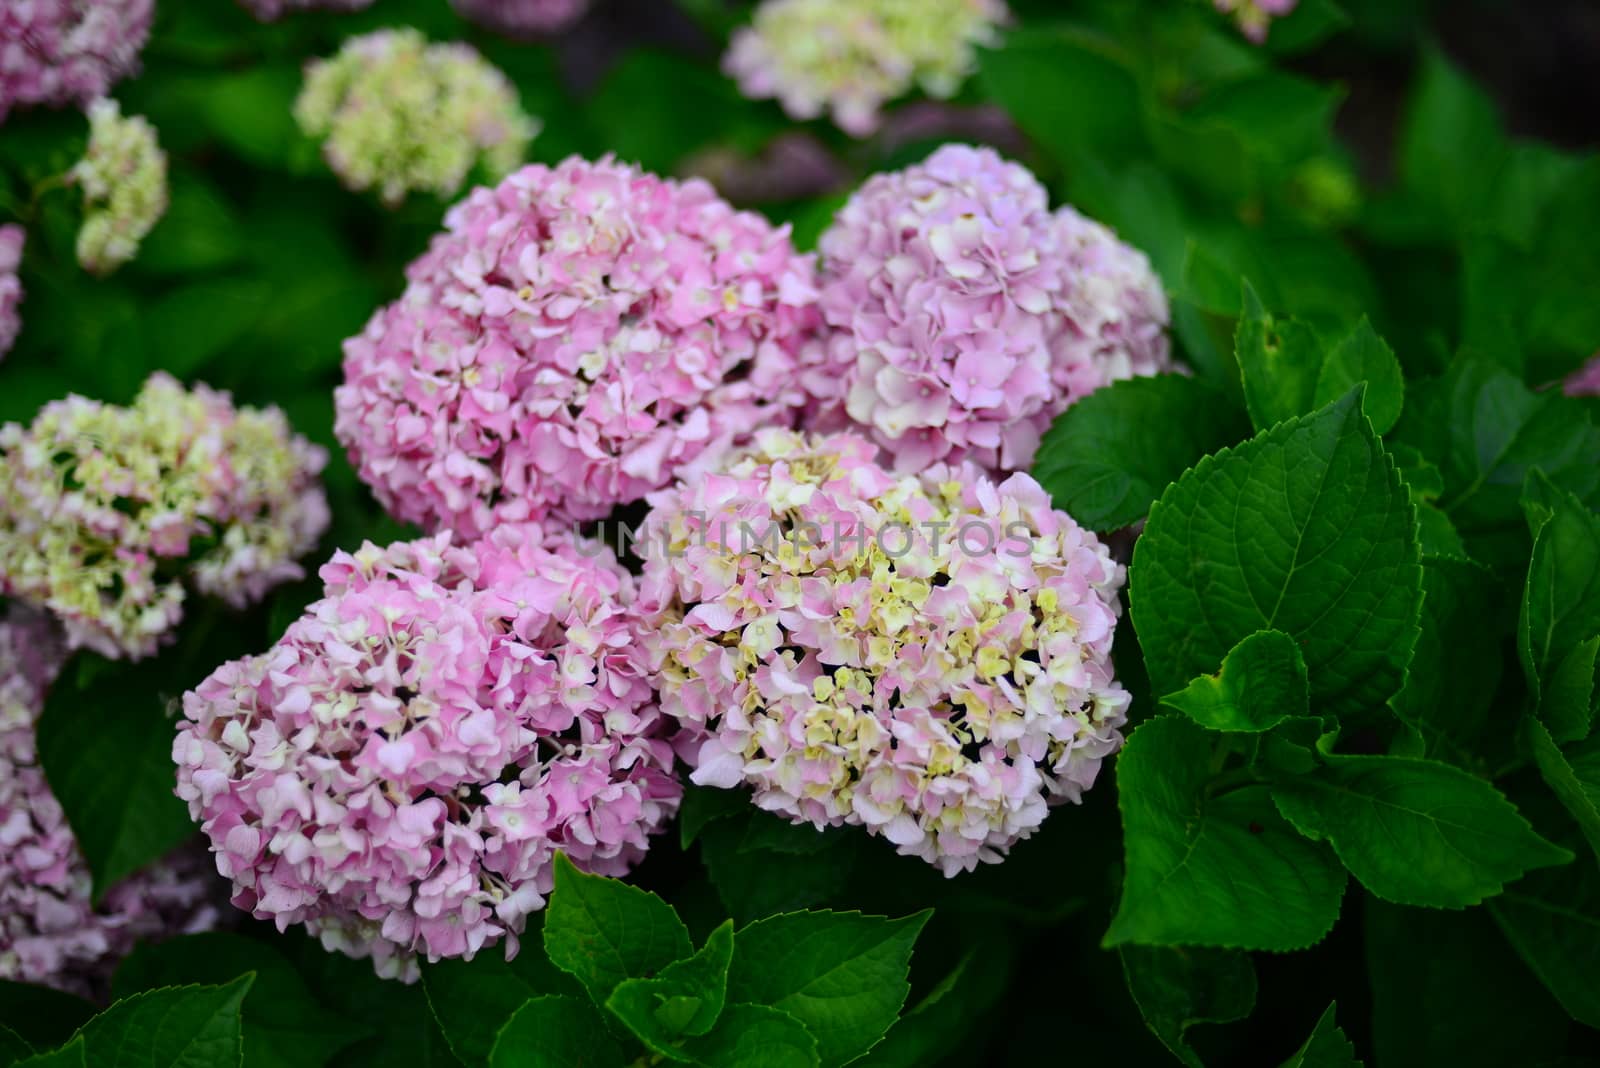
(55, 52)
(50, 933)
(928, 656)
(575, 337)
(966, 315)
(12, 238)
(522, 18)
(398, 771)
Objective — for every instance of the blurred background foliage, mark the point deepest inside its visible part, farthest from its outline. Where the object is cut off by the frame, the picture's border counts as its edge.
(1429, 165)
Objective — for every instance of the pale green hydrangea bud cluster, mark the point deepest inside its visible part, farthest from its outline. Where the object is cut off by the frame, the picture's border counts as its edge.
(398, 114)
(124, 181)
(850, 57)
(108, 515)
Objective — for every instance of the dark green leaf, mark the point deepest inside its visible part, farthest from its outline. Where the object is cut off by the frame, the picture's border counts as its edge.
(1070, 92)
(755, 1036)
(952, 1011)
(841, 974)
(1262, 682)
(1573, 775)
(1212, 871)
(1304, 529)
(603, 931)
(1327, 1047)
(1281, 361)
(174, 1027)
(1416, 832)
(552, 1031)
(1561, 602)
(1450, 143)
(41, 1016)
(1552, 920)
(1102, 465)
(1450, 688)
(73, 1055)
(1176, 988)
(685, 999)
(1361, 356)
(283, 1024)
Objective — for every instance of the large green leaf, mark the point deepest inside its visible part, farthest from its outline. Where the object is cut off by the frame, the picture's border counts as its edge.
(555, 1031)
(174, 1027)
(1305, 529)
(841, 974)
(755, 1036)
(1450, 143)
(1223, 870)
(1179, 987)
(1103, 466)
(283, 1025)
(1416, 832)
(603, 931)
(685, 999)
(952, 1011)
(1262, 682)
(1561, 602)
(1573, 775)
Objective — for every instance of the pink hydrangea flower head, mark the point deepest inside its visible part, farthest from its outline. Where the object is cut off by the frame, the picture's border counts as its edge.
(272, 10)
(1584, 382)
(12, 238)
(1254, 17)
(928, 656)
(850, 57)
(522, 19)
(107, 514)
(50, 933)
(398, 771)
(55, 52)
(575, 337)
(966, 316)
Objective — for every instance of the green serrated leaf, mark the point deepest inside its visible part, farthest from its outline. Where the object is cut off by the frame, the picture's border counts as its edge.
(1573, 776)
(553, 1031)
(1450, 688)
(173, 1027)
(1560, 609)
(1361, 356)
(1102, 465)
(753, 881)
(1304, 529)
(73, 1055)
(755, 1036)
(1327, 1047)
(684, 1000)
(602, 931)
(841, 974)
(1486, 431)
(1262, 682)
(1179, 987)
(283, 1025)
(1552, 920)
(473, 999)
(1281, 361)
(1212, 871)
(1416, 832)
